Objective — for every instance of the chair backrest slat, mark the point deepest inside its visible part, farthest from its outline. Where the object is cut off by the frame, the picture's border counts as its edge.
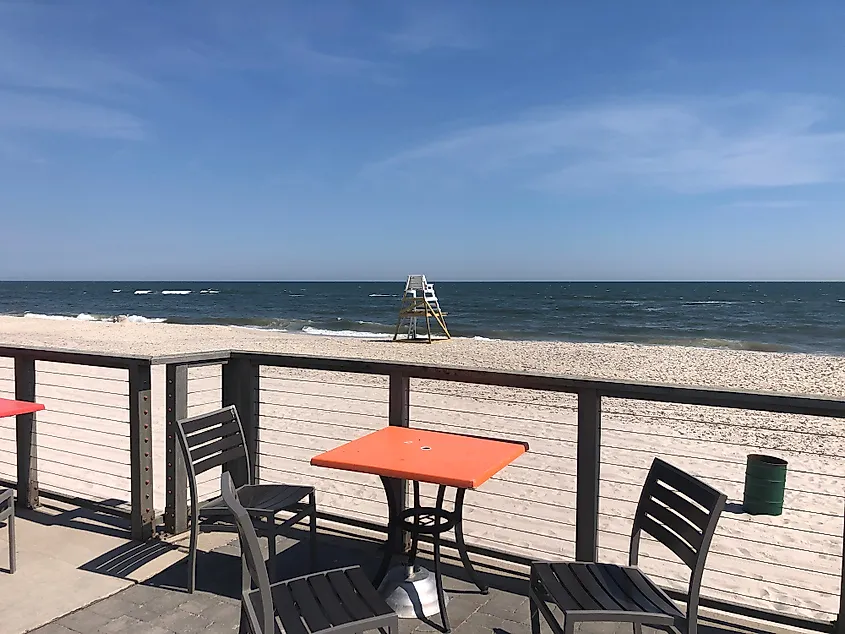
(675, 522)
(219, 459)
(211, 440)
(693, 513)
(217, 446)
(259, 606)
(670, 540)
(206, 421)
(208, 435)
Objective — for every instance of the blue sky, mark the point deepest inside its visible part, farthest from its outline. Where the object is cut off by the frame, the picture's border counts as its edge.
(467, 140)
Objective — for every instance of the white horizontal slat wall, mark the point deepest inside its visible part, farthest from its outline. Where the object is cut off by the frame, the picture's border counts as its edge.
(205, 394)
(83, 432)
(8, 449)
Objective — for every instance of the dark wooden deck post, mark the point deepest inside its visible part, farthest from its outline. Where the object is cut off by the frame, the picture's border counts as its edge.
(241, 386)
(141, 451)
(176, 491)
(589, 460)
(839, 624)
(25, 434)
(399, 415)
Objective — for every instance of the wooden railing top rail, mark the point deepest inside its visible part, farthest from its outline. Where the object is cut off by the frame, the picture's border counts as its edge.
(77, 357)
(812, 405)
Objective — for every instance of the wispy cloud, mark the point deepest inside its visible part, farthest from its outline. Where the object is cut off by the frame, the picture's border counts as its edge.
(767, 204)
(680, 144)
(426, 29)
(40, 113)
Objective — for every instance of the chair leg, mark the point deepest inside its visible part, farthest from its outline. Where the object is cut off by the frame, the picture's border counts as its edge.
(192, 558)
(243, 625)
(12, 554)
(271, 548)
(438, 579)
(638, 628)
(313, 532)
(535, 616)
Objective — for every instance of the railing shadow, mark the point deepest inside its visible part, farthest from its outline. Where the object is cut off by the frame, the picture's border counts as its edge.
(80, 518)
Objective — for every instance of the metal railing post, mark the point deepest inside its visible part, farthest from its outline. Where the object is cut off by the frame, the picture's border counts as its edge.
(25, 434)
(399, 415)
(141, 451)
(176, 490)
(589, 461)
(241, 388)
(839, 624)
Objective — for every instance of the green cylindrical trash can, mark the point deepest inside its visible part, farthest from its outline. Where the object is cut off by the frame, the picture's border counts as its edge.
(765, 481)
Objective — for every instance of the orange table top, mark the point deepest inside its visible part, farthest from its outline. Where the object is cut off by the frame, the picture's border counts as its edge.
(13, 408)
(454, 460)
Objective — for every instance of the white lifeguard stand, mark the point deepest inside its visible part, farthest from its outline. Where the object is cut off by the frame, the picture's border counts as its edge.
(419, 302)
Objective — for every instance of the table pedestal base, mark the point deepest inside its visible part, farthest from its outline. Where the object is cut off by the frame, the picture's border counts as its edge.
(411, 593)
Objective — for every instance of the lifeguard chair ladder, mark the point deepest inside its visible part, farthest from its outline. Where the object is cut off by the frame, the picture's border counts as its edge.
(419, 302)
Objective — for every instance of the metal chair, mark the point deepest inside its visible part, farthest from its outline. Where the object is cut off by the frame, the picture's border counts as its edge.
(217, 439)
(341, 601)
(7, 514)
(675, 508)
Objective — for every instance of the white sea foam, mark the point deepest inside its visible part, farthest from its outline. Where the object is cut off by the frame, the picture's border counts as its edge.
(709, 301)
(80, 317)
(345, 333)
(176, 292)
(144, 292)
(210, 291)
(140, 319)
(841, 301)
(115, 290)
(380, 295)
(480, 338)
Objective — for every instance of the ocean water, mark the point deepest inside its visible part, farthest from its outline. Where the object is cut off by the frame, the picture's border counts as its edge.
(775, 316)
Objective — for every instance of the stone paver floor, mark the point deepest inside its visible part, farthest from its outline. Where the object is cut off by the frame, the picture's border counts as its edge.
(162, 606)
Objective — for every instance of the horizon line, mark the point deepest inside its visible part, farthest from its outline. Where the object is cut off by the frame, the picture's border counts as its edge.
(447, 281)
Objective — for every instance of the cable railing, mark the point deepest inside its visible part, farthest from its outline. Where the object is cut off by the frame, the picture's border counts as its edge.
(573, 494)
(92, 444)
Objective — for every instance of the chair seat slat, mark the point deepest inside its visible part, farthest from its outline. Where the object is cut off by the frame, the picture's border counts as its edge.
(367, 592)
(311, 611)
(329, 600)
(286, 609)
(575, 588)
(552, 585)
(644, 585)
(350, 599)
(592, 584)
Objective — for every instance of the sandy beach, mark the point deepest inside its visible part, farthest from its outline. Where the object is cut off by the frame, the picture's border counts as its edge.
(788, 563)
